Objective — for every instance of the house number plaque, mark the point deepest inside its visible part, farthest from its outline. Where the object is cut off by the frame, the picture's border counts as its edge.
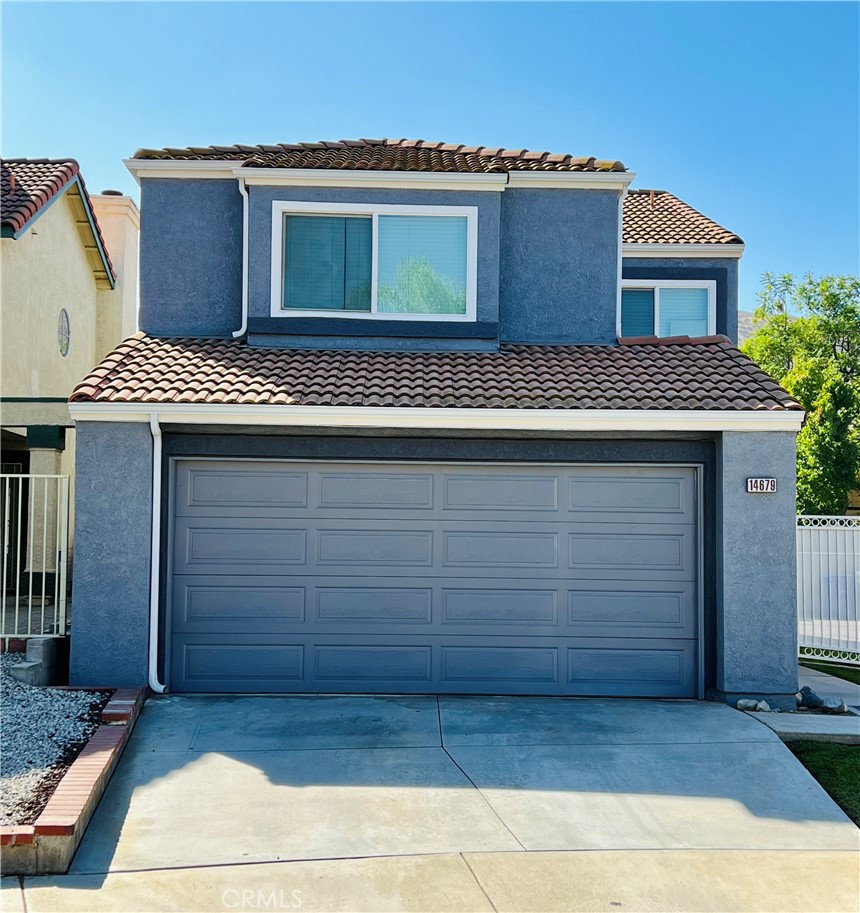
(761, 486)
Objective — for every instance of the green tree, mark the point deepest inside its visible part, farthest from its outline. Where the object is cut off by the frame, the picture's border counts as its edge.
(808, 338)
(419, 289)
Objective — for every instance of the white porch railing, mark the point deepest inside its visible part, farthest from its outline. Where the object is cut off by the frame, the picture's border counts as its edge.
(828, 587)
(34, 525)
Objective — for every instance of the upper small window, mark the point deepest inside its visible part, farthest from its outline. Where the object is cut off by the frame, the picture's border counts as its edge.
(669, 308)
(374, 261)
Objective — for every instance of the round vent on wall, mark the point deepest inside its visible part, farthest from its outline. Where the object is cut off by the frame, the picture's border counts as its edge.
(64, 333)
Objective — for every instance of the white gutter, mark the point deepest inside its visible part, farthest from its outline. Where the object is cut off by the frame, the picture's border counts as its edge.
(155, 555)
(473, 419)
(243, 329)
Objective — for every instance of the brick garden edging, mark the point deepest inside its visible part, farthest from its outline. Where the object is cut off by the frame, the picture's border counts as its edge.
(49, 845)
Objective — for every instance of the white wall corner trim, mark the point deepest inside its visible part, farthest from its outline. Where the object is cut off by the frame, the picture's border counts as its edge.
(443, 418)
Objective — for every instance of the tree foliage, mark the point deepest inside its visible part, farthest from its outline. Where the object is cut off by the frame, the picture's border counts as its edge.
(807, 337)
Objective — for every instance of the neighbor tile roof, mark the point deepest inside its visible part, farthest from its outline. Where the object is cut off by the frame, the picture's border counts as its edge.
(387, 155)
(28, 185)
(690, 374)
(658, 217)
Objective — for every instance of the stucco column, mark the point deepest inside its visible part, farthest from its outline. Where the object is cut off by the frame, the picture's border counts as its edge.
(42, 512)
(756, 569)
(113, 515)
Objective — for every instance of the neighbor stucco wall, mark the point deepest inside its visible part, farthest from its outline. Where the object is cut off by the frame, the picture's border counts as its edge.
(44, 270)
(724, 271)
(559, 266)
(190, 257)
(110, 594)
(756, 566)
(119, 220)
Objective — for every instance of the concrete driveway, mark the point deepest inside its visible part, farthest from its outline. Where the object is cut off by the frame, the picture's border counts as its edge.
(389, 803)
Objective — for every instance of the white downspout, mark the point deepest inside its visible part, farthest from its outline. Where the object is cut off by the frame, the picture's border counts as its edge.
(621, 197)
(243, 329)
(155, 554)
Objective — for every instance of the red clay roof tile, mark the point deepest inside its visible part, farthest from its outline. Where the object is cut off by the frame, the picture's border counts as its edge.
(680, 374)
(658, 217)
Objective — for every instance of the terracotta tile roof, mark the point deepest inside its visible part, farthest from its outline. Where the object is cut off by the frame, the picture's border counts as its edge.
(658, 217)
(28, 185)
(387, 155)
(707, 374)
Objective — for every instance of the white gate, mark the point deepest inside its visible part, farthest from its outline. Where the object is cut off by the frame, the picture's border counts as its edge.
(34, 519)
(828, 587)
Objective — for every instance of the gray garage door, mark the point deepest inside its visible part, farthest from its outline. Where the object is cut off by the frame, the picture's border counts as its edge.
(508, 579)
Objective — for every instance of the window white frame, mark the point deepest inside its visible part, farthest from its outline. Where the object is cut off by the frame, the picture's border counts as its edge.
(282, 208)
(654, 285)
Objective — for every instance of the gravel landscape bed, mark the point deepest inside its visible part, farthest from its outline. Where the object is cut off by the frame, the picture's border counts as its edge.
(42, 730)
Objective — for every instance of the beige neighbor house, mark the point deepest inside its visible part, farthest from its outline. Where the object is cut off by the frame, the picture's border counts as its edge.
(68, 296)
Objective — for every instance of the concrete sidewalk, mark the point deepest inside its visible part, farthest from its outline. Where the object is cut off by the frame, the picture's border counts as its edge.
(667, 881)
(825, 685)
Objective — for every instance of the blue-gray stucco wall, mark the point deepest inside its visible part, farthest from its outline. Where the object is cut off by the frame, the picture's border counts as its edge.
(113, 515)
(723, 270)
(756, 568)
(190, 257)
(559, 266)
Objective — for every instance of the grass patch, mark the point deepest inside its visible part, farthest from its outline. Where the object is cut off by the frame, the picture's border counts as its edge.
(848, 673)
(837, 769)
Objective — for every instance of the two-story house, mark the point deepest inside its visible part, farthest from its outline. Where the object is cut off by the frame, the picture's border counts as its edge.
(413, 417)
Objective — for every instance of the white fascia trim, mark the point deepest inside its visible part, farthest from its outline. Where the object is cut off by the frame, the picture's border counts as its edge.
(572, 180)
(708, 251)
(453, 418)
(168, 168)
(405, 180)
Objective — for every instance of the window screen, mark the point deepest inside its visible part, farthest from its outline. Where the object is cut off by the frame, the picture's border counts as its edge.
(422, 265)
(683, 312)
(637, 312)
(327, 262)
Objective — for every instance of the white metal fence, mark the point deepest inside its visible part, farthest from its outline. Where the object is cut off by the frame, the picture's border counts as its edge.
(828, 587)
(34, 524)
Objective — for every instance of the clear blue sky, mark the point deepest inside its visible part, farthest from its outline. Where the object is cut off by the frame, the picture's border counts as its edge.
(749, 111)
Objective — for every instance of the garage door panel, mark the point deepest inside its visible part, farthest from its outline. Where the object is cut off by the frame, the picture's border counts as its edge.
(632, 668)
(495, 607)
(500, 492)
(498, 666)
(237, 603)
(217, 489)
(643, 495)
(419, 578)
(236, 546)
(361, 606)
(637, 552)
(371, 547)
(398, 664)
(383, 491)
(480, 548)
(633, 609)
(238, 666)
